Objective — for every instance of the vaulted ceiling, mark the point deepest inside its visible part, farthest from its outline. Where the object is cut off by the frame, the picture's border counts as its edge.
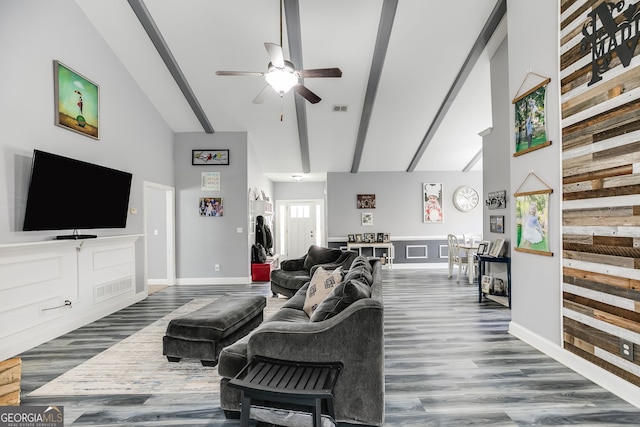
(415, 77)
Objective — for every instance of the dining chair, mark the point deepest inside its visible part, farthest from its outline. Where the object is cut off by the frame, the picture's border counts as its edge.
(458, 257)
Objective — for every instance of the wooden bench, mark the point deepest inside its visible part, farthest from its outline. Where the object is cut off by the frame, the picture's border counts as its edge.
(271, 382)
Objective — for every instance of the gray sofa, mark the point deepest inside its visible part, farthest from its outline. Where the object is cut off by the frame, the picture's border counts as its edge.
(294, 273)
(353, 336)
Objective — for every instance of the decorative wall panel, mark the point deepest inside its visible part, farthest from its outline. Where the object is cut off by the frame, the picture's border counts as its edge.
(600, 86)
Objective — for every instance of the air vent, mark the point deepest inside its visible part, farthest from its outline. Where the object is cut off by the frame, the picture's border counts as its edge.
(104, 291)
(339, 108)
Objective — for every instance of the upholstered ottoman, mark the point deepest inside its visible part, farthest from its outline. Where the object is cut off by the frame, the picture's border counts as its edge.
(203, 333)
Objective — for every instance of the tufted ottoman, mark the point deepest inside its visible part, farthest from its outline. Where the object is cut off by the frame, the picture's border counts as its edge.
(203, 333)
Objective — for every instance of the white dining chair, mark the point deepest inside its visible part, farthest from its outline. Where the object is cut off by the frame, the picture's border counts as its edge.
(458, 257)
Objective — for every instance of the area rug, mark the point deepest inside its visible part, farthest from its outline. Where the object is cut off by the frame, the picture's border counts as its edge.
(136, 365)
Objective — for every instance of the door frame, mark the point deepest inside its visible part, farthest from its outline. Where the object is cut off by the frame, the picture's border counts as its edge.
(282, 223)
(170, 227)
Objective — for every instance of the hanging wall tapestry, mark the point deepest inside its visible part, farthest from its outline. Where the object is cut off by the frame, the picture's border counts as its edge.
(532, 219)
(432, 203)
(530, 120)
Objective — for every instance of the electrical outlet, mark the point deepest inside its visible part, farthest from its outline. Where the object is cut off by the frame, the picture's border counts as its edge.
(626, 349)
(217, 267)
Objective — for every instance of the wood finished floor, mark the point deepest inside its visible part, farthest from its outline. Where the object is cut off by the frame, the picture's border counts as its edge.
(449, 361)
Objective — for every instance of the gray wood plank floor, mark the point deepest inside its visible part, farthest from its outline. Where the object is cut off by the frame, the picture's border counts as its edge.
(449, 362)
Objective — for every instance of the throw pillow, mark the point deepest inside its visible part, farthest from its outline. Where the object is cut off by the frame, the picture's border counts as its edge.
(340, 298)
(322, 283)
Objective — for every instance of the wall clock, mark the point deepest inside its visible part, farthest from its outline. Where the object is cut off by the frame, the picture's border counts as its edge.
(465, 198)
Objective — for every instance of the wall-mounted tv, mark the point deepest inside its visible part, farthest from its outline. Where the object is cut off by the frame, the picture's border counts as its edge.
(69, 194)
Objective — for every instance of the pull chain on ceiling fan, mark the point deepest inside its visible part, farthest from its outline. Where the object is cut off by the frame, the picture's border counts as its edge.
(281, 75)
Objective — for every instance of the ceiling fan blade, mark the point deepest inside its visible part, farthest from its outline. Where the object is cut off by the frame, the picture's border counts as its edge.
(240, 73)
(321, 72)
(259, 99)
(275, 54)
(307, 94)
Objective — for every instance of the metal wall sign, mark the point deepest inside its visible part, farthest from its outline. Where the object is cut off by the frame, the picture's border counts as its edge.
(611, 28)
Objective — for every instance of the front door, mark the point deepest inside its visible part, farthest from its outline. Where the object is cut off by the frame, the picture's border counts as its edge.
(303, 227)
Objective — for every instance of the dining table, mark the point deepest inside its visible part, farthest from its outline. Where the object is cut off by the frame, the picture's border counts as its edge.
(471, 251)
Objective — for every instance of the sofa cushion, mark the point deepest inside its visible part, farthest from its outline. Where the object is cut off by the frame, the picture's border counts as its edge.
(290, 279)
(322, 283)
(340, 298)
(360, 271)
(319, 255)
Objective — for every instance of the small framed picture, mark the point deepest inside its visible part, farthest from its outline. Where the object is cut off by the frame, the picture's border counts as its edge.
(496, 223)
(366, 218)
(358, 238)
(366, 201)
(369, 237)
(380, 238)
(209, 157)
(487, 282)
(498, 287)
(496, 248)
(483, 247)
(351, 238)
(386, 238)
(210, 206)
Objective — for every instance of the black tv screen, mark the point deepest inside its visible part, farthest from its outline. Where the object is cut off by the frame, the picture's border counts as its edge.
(69, 194)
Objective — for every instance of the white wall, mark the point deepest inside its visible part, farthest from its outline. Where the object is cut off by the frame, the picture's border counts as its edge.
(203, 242)
(133, 135)
(399, 206)
(536, 290)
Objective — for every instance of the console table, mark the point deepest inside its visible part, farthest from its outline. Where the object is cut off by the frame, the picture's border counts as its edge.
(279, 381)
(484, 259)
(388, 246)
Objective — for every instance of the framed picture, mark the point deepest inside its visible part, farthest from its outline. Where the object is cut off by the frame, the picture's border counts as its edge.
(209, 157)
(210, 206)
(483, 247)
(358, 238)
(498, 287)
(369, 237)
(386, 238)
(496, 223)
(432, 203)
(486, 283)
(530, 120)
(351, 238)
(380, 238)
(366, 218)
(496, 248)
(366, 201)
(496, 199)
(532, 222)
(77, 101)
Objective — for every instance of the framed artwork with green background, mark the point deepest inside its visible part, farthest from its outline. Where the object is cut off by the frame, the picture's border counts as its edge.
(76, 101)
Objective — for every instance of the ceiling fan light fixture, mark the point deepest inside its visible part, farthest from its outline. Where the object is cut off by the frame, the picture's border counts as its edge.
(281, 79)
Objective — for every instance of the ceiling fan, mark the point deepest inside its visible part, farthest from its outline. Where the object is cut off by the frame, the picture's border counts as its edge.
(281, 75)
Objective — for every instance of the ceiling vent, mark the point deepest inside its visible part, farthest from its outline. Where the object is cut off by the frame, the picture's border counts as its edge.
(339, 108)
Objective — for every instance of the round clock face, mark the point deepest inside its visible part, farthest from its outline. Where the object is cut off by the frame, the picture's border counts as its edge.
(465, 198)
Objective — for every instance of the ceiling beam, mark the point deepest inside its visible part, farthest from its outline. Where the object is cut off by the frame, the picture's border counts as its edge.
(489, 28)
(149, 25)
(294, 38)
(387, 17)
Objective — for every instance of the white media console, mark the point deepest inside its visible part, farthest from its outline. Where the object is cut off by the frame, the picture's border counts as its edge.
(53, 287)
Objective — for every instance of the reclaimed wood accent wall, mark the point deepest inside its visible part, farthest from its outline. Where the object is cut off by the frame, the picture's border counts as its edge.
(601, 187)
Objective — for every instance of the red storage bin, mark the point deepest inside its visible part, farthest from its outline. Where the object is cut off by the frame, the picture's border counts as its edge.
(260, 272)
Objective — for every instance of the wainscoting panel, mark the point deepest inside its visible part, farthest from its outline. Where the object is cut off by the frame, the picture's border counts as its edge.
(49, 288)
(601, 184)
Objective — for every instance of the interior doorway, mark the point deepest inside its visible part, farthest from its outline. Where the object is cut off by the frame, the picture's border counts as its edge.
(300, 224)
(159, 227)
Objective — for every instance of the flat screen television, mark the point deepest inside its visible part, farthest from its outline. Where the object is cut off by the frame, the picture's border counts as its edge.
(69, 194)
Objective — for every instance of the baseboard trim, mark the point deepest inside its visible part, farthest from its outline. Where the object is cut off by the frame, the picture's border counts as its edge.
(602, 377)
(419, 265)
(214, 281)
